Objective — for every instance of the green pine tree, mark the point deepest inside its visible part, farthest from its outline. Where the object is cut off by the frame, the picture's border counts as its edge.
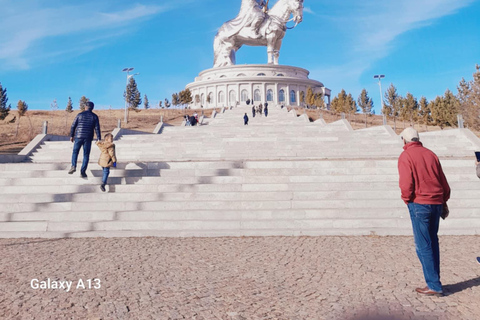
(69, 107)
(444, 110)
(365, 103)
(425, 115)
(391, 105)
(4, 109)
(132, 95)
(452, 107)
(411, 108)
(146, 104)
(83, 103)
(350, 105)
(22, 108)
(339, 102)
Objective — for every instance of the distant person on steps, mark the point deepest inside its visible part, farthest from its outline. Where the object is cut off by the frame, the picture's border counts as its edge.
(245, 119)
(81, 134)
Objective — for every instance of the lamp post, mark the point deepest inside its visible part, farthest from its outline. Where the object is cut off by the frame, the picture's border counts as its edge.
(380, 77)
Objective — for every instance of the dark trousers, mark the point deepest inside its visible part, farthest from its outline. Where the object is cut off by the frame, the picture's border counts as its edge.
(86, 144)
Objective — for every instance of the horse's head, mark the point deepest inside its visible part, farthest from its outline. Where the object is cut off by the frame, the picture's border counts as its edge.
(296, 6)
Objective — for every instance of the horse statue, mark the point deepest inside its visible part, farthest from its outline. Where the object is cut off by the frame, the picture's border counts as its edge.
(256, 27)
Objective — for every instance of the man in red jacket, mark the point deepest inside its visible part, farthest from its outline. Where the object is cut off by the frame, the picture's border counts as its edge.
(425, 190)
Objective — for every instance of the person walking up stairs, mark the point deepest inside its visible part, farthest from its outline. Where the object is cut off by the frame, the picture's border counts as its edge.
(81, 134)
(107, 159)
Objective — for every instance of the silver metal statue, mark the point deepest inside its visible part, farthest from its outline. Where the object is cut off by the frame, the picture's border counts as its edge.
(255, 25)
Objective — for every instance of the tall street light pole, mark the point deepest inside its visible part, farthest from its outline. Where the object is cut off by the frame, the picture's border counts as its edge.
(127, 70)
(380, 77)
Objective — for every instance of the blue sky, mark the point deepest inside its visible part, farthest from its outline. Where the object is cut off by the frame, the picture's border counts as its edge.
(53, 49)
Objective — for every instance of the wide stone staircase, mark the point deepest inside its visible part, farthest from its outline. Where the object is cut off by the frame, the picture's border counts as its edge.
(279, 175)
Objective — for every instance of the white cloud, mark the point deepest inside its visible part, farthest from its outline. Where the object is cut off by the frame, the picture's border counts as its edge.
(27, 25)
(371, 29)
(308, 10)
(393, 18)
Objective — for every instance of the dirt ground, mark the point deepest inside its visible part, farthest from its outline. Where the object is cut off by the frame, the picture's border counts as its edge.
(59, 123)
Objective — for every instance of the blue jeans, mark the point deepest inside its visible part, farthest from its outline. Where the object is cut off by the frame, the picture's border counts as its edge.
(87, 145)
(425, 221)
(106, 172)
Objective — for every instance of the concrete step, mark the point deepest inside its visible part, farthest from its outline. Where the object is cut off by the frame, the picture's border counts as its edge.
(299, 164)
(458, 187)
(333, 225)
(232, 233)
(214, 215)
(345, 195)
(95, 178)
(160, 205)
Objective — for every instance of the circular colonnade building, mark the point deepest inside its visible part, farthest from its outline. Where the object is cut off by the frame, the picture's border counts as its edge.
(259, 83)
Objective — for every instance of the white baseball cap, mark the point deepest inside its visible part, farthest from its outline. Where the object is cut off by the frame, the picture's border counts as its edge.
(409, 134)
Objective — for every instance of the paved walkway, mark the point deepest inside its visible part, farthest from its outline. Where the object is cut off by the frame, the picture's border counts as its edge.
(235, 278)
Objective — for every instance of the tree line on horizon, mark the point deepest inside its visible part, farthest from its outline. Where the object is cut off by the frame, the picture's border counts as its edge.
(442, 111)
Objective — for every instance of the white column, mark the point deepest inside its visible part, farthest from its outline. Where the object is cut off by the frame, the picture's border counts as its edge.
(227, 96)
(276, 94)
(251, 91)
(264, 92)
(239, 97)
(288, 95)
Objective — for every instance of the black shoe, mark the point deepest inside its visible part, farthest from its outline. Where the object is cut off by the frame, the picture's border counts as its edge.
(102, 187)
(478, 259)
(83, 175)
(72, 170)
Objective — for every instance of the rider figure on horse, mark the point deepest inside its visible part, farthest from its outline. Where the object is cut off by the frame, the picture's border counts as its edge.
(258, 11)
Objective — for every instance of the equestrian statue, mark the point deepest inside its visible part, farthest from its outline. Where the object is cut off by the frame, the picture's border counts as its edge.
(256, 25)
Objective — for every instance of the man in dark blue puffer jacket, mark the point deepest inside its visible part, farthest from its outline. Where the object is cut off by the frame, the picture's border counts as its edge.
(81, 134)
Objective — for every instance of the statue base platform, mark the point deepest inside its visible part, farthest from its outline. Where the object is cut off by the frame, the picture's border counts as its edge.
(259, 83)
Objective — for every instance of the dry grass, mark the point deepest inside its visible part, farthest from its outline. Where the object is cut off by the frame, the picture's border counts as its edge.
(59, 123)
